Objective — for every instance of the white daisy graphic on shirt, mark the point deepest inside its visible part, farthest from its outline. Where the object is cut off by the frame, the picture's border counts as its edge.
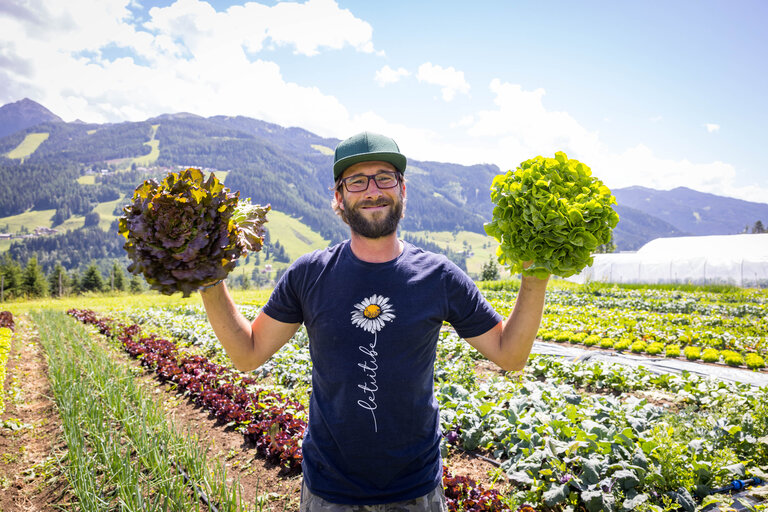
(370, 314)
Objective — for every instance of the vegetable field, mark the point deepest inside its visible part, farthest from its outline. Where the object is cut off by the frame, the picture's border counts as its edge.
(128, 403)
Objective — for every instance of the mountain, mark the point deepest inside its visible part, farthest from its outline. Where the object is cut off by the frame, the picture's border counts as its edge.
(24, 114)
(693, 212)
(636, 227)
(290, 168)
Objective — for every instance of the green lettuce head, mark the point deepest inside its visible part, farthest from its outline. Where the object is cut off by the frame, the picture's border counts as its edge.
(186, 231)
(553, 212)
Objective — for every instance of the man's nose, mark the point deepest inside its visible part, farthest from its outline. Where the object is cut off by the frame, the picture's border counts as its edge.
(373, 188)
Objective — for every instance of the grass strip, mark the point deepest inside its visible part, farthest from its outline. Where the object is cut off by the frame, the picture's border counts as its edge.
(123, 453)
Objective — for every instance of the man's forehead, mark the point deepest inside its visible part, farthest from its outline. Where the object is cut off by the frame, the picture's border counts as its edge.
(368, 168)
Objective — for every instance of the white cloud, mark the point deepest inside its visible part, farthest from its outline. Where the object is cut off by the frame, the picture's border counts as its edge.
(463, 122)
(521, 127)
(449, 79)
(185, 57)
(308, 27)
(387, 75)
(640, 166)
(190, 57)
(316, 24)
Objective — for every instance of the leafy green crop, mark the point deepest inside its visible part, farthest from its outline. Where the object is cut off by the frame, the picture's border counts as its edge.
(187, 231)
(553, 212)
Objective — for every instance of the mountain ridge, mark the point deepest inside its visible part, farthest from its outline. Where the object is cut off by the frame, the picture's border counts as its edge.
(694, 212)
(287, 168)
(23, 114)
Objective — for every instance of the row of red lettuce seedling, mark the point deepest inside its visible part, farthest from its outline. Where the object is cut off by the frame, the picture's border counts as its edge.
(264, 417)
(6, 320)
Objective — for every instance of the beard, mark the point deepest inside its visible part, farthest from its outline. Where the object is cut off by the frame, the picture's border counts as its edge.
(373, 228)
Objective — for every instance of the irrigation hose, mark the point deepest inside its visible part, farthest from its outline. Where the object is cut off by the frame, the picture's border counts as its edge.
(187, 480)
(478, 456)
(738, 485)
(203, 496)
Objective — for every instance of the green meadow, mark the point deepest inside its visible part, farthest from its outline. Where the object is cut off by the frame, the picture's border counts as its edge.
(482, 247)
(28, 146)
(154, 145)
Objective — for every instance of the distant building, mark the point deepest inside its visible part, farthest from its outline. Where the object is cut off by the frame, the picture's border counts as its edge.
(43, 231)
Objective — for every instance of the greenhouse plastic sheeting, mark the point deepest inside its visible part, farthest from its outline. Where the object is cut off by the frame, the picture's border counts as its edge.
(655, 365)
(740, 260)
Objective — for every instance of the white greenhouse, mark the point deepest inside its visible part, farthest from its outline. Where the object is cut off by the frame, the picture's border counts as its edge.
(740, 260)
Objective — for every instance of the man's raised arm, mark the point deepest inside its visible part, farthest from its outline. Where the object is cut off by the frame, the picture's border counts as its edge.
(509, 343)
(248, 345)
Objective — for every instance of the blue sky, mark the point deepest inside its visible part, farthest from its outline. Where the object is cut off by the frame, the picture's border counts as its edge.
(658, 94)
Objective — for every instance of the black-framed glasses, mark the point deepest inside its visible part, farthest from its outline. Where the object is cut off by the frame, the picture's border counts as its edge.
(360, 182)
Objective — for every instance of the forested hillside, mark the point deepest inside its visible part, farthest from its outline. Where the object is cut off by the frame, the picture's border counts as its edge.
(694, 212)
(288, 168)
(47, 179)
(72, 249)
(71, 168)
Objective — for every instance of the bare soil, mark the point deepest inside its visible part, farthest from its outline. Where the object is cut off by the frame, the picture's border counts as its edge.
(31, 441)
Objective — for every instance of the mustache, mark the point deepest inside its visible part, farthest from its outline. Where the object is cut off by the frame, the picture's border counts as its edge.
(374, 203)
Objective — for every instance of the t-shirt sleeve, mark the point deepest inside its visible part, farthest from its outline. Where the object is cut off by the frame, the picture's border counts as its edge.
(468, 311)
(284, 304)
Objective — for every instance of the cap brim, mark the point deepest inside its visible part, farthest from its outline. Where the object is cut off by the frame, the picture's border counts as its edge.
(396, 159)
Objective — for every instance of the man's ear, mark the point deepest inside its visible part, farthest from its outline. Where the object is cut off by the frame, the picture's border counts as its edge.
(339, 198)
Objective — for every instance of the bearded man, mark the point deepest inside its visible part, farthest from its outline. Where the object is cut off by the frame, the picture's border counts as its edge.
(373, 307)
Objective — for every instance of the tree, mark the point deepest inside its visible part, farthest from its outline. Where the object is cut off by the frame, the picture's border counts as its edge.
(245, 282)
(74, 280)
(135, 284)
(118, 277)
(92, 279)
(258, 278)
(758, 227)
(608, 247)
(58, 281)
(33, 281)
(10, 274)
(490, 271)
(92, 219)
(63, 212)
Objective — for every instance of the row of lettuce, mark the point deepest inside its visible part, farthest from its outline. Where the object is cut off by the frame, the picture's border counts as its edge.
(642, 442)
(728, 328)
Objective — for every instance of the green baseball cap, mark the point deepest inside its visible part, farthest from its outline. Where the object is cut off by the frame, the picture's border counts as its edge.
(367, 147)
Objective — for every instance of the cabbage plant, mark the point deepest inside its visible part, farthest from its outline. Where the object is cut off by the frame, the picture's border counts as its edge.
(188, 231)
(550, 211)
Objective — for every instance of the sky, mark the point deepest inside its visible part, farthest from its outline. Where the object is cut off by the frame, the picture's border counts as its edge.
(652, 93)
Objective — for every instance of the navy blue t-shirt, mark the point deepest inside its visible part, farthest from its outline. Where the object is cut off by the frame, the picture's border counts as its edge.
(374, 428)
